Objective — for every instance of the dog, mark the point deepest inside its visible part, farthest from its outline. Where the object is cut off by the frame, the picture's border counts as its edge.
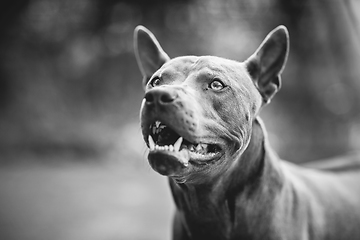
(200, 120)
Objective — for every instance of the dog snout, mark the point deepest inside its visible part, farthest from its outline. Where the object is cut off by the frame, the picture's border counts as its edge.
(160, 96)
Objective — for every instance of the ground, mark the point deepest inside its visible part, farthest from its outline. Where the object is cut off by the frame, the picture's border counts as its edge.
(93, 201)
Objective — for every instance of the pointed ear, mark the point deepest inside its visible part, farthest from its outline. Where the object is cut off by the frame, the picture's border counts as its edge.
(149, 54)
(268, 61)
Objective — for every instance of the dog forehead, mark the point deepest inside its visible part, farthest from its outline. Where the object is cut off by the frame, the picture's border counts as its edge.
(205, 65)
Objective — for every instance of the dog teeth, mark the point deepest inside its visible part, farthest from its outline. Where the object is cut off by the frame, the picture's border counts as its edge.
(200, 149)
(172, 148)
(151, 143)
(177, 144)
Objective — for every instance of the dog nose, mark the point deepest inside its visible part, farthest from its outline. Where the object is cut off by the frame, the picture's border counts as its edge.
(160, 96)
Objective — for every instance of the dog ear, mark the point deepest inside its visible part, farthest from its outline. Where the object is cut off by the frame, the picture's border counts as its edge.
(149, 54)
(268, 61)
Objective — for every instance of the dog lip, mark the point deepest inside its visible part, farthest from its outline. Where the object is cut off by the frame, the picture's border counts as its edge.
(208, 161)
(178, 164)
(168, 163)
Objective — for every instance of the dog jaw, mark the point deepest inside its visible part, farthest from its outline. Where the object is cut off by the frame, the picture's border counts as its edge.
(171, 154)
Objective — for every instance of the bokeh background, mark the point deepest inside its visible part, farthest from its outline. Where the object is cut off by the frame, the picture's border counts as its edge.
(72, 160)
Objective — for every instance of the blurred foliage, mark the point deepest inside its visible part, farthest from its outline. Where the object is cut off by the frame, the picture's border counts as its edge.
(69, 83)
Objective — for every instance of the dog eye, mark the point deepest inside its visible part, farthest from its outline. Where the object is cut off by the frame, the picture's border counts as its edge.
(155, 82)
(216, 85)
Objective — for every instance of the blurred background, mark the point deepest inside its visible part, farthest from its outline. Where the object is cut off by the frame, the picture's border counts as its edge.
(72, 160)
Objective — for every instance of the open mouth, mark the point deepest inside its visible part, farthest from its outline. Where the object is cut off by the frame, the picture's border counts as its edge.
(163, 139)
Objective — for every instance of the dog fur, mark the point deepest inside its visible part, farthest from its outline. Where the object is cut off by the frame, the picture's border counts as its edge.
(237, 187)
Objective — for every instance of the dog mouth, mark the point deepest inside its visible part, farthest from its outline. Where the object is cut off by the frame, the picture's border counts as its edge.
(164, 140)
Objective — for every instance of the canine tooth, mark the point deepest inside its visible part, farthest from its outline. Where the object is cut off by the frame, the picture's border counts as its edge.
(157, 124)
(151, 143)
(204, 146)
(192, 148)
(177, 144)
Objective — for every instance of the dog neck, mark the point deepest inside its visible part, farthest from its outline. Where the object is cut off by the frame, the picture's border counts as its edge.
(212, 209)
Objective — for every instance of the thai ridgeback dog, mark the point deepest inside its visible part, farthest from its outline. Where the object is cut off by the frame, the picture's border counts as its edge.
(199, 118)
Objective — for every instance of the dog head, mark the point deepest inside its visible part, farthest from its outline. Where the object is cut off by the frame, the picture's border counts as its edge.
(197, 113)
